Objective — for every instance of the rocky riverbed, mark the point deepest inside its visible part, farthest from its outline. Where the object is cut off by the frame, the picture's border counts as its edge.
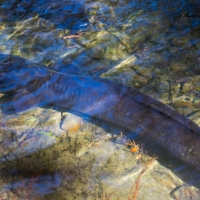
(151, 45)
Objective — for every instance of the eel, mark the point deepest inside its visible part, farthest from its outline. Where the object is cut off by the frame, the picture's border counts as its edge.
(115, 103)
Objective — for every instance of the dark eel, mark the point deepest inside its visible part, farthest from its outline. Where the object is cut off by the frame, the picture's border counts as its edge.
(113, 102)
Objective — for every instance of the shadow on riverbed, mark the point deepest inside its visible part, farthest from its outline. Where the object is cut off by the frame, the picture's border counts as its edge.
(58, 167)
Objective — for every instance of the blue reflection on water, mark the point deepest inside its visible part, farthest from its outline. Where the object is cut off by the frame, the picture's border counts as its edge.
(63, 14)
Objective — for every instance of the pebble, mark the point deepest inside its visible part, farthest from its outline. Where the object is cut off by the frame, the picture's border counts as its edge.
(144, 71)
(196, 102)
(187, 87)
(71, 123)
(97, 52)
(178, 66)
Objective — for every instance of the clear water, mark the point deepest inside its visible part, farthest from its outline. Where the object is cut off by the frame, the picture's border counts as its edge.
(153, 46)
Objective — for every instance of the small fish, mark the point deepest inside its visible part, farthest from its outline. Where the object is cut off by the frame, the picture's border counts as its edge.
(113, 102)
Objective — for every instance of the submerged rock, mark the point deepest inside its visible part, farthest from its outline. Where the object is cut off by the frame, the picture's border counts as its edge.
(71, 123)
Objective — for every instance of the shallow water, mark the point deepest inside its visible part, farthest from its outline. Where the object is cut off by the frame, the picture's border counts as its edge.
(151, 45)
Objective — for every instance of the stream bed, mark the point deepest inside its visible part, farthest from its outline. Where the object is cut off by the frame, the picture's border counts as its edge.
(52, 153)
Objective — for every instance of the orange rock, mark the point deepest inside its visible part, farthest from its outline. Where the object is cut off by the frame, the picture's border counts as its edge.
(74, 127)
(135, 149)
(71, 123)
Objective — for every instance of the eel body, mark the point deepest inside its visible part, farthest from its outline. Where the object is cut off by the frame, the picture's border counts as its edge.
(113, 102)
